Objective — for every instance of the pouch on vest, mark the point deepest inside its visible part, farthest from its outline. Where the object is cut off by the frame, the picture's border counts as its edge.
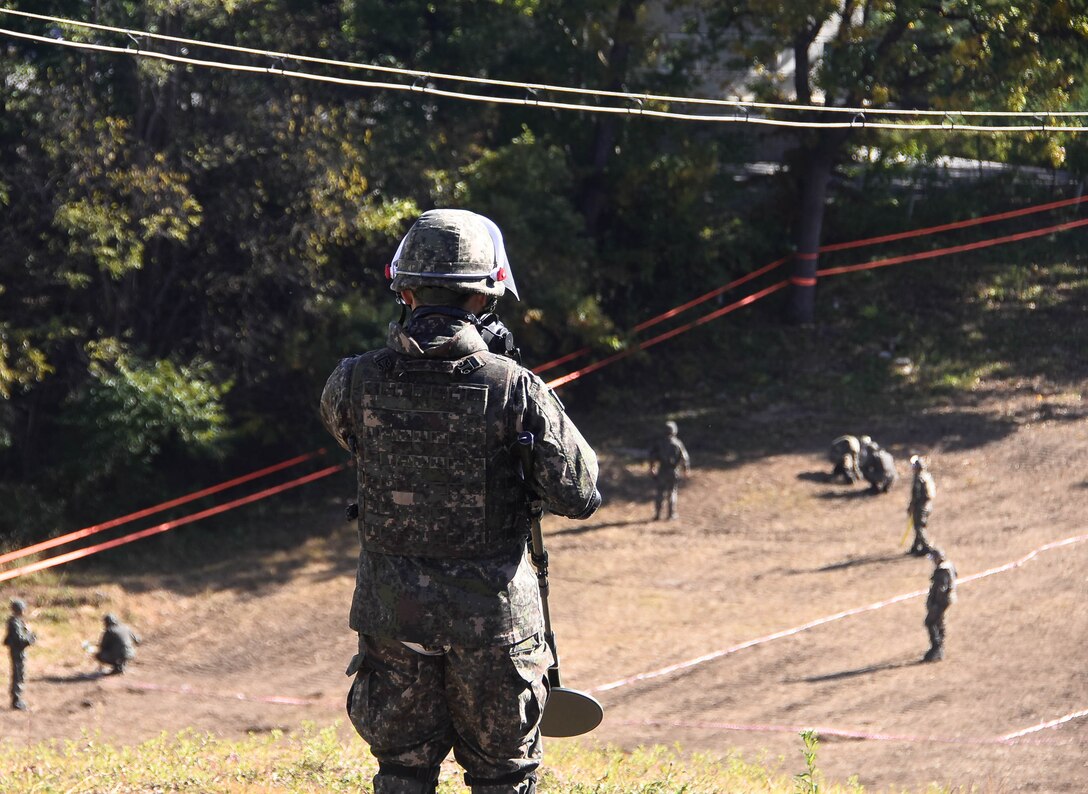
(423, 461)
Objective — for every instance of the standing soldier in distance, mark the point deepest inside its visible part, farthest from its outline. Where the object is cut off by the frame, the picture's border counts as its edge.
(922, 492)
(447, 605)
(18, 638)
(668, 456)
(942, 594)
(117, 647)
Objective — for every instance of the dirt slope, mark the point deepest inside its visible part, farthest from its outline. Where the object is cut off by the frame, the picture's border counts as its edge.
(764, 544)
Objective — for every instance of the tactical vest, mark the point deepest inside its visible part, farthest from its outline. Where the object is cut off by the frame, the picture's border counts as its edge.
(431, 482)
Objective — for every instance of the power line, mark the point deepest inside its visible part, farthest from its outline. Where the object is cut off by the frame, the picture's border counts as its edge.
(740, 109)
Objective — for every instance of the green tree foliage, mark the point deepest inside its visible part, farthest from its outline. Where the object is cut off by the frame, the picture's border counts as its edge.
(907, 54)
(186, 252)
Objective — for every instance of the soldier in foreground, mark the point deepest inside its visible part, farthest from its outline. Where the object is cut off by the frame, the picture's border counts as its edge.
(447, 604)
(878, 467)
(922, 492)
(668, 456)
(18, 638)
(844, 455)
(117, 647)
(942, 594)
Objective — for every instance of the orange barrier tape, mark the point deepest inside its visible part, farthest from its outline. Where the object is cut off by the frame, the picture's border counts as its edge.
(147, 511)
(596, 365)
(920, 232)
(954, 249)
(673, 312)
(168, 525)
(944, 227)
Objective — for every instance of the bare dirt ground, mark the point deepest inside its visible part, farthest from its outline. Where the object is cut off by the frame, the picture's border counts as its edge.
(764, 543)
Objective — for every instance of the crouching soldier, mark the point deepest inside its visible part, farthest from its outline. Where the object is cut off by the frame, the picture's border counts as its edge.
(844, 455)
(878, 468)
(117, 646)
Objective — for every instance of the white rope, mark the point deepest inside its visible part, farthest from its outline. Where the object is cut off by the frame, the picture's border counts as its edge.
(858, 122)
(738, 105)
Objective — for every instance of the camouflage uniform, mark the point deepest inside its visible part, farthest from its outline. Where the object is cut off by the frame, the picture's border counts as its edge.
(878, 468)
(18, 639)
(922, 492)
(447, 606)
(667, 456)
(844, 454)
(942, 594)
(117, 647)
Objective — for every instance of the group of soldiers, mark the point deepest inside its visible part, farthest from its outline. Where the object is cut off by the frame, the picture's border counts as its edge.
(855, 458)
(116, 648)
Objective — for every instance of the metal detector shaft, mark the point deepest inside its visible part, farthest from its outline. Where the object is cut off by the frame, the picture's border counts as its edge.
(568, 711)
(539, 555)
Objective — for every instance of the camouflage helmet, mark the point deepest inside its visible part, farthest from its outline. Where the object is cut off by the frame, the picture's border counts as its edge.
(455, 249)
(18, 606)
(110, 619)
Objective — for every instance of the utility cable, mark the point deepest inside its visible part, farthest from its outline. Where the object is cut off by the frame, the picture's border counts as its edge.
(858, 121)
(737, 104)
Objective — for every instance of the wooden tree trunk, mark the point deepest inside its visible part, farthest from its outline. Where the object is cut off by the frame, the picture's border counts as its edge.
(815, 165)
(812, 200)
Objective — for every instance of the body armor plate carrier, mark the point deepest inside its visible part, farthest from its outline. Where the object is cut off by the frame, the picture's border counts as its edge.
(422, 457)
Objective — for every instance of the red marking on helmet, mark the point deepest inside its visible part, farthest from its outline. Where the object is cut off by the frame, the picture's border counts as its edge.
(389, 271)
(501, 275)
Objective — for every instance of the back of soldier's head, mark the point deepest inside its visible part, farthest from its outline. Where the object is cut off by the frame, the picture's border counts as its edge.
(671, 429)
(18, 606)
(440, 296)
(455, 250)
(110, 619)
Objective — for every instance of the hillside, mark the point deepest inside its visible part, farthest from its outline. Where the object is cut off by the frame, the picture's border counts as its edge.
(257, 640)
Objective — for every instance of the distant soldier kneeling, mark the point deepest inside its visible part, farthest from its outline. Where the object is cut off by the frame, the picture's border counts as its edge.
(117, 646)
(844, 454)
(878, 467)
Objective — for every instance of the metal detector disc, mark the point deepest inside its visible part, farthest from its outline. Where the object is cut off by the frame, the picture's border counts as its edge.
(570, 713)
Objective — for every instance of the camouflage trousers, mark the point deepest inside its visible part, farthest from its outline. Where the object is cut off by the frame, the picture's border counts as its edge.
(847, 468)
(920, 519)
(665, 490)
(18, 676)
(935, 627)
(483, 703)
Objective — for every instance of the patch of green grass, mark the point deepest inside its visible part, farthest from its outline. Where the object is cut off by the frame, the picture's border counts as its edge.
(317, 760)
